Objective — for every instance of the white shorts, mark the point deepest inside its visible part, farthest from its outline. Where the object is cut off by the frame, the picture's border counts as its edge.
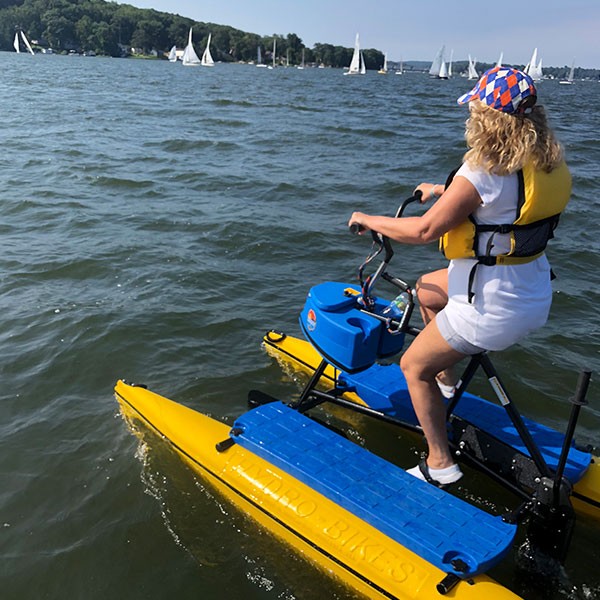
(454, 339)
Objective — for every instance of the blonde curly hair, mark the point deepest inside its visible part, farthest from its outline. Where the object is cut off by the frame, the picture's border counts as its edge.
(502, 143)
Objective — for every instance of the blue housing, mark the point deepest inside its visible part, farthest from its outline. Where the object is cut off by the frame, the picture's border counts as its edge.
(345, 336)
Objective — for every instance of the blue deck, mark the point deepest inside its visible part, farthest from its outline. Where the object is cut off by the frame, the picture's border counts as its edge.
(384, 388)
(426, 520)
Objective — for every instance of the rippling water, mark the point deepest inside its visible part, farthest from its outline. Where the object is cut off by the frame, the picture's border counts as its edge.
(156, 220)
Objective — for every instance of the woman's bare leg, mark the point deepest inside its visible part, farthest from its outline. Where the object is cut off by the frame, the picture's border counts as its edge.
(432, 293)
(428, 355)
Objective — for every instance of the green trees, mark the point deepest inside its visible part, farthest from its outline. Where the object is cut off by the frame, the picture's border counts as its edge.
(110, 29)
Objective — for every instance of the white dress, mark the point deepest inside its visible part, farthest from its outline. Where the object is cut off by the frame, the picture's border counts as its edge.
(509, 300)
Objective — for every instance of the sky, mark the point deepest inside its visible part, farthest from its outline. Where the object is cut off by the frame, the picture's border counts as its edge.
(562, 30)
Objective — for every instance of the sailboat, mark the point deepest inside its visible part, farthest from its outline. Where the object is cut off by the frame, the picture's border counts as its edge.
(472, 71)
(438, 64)
(207, 59)
(357, 64)
(272, 66)
(259, 62)
(534, 68)
(190, 58)
(25, 41)
(301, 65)
(443, 74)
(400, 70)
(173, 54)
(450, 63)
(569, 79)
(384, 69)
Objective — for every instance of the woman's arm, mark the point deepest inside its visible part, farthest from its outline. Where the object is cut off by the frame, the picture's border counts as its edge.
(452, 208)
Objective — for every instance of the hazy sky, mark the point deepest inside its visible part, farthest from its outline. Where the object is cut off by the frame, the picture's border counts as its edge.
(562, 30)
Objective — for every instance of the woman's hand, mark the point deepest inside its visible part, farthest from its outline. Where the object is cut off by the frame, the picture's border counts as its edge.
(360, 219)
(428, 191)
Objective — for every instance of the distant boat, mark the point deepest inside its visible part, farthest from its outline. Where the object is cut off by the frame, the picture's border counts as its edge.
(534, 68)
(357, 64)
(450, 63)
(173, 54)
(301, 65)
(472, 71)
(443, 74)
(207, 59)
(272, 65)
(259, 62)
(400, 70)
(384, 68)
(16, 43)
(569, 79)
(438, 66)
(190, 58)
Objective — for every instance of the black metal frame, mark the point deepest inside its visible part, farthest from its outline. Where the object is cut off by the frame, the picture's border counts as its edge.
(547, 507)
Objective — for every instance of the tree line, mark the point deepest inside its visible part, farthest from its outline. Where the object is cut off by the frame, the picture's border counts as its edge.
(111, 29)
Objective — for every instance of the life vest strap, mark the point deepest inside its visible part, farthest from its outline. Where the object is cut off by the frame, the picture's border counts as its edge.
(515, 260)
(491, 261)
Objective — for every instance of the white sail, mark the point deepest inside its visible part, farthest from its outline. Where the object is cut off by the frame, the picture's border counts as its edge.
(443, 74)
(173, 54)
(26, 42)
(450, 63)
(363, 66)
(354, 68)
(259, 62)
(207, 59)
(570, 77)
(400, 71)
(190, 58)
(531, 62)
(499, 63)
(16, 43)
(436, 65)
(274, 52)
(472, 72)
(539, 73)
(301, 66)
(534, 67)
(384, 68)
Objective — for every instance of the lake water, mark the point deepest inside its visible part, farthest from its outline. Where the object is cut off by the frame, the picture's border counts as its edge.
(156, 221)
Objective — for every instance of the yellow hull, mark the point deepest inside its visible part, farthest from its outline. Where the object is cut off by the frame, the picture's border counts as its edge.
(301, 356)
(331, 537)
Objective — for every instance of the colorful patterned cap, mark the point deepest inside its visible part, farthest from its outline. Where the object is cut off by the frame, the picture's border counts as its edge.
(505, 89)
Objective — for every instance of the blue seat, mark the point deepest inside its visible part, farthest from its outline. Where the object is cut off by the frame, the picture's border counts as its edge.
(435, 525)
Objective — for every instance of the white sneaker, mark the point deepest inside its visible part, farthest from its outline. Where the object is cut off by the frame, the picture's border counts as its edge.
(447, 390)
(438, 477)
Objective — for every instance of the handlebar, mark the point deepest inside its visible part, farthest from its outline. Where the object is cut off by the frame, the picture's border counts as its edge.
(380, 242)
(416, 197)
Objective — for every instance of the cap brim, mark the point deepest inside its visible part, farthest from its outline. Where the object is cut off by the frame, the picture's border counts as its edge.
(468, 96)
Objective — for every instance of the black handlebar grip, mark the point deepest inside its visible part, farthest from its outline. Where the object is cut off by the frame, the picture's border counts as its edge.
(356, 228)
(418, 195)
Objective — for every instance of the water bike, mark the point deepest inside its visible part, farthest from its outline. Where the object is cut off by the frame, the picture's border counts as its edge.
(364, 519)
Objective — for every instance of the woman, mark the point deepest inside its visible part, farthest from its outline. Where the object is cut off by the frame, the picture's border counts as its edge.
(494, 220)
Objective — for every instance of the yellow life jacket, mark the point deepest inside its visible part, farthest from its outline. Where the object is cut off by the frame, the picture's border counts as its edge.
(542, 197)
